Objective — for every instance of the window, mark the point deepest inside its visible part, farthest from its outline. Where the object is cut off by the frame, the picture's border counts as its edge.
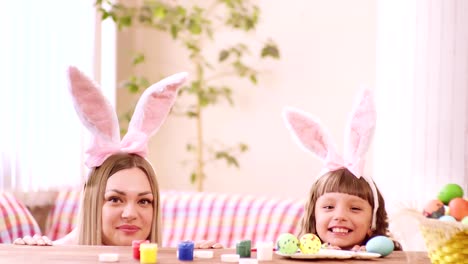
(41, 142)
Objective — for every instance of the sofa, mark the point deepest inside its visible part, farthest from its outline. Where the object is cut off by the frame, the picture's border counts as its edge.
(15, 219)
(222, 217)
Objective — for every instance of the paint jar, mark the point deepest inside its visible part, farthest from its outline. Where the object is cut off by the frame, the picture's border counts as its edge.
(243, 248)
(185, 250)
(264, 251)
(148, 253)
(136, 248)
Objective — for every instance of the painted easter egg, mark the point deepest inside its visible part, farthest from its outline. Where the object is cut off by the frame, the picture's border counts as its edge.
(458, 208)
(434, 209)
(309, 244)
(381, 245)
(449, 192)
(287, 243)
(465, 220)
(447, 218)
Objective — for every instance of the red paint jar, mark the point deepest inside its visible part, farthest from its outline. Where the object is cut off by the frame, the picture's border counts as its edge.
(136, 247)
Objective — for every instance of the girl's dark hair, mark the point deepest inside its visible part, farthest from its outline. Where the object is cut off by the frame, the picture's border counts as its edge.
(343, 181)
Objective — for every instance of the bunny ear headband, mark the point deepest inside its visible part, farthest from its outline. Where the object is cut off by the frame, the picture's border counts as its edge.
(99, 117)
(310, 135)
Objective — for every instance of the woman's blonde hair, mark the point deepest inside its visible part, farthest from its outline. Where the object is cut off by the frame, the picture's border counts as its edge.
(90, 215)
(343, 181)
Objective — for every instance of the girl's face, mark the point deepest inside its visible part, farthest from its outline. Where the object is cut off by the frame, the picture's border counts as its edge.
(127, 212)
(342, 220)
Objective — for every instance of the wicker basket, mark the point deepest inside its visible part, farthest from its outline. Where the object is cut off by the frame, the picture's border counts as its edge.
(446, 242)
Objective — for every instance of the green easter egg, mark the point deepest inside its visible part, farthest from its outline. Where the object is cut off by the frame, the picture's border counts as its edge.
(449, 192)
(465, 220)
(287, 243)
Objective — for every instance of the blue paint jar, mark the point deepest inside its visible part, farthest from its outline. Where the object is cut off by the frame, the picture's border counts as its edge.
(185, 250)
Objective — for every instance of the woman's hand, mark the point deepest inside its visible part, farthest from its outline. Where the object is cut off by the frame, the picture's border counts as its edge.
(207, 244)
(36, 240)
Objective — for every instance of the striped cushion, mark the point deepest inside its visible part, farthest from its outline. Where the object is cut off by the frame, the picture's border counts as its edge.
(227, 218)
(63, 216)
(15, 219)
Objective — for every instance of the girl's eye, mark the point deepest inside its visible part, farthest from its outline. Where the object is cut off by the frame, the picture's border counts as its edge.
(328, 207)
(146, 201)
(356, 209)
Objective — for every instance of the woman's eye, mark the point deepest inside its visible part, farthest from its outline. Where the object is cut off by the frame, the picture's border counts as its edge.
(114, 199)
(146, 201)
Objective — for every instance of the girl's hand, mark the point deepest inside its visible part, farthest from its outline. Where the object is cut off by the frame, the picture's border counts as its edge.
(358, 248)
(329, 246)
(36, 240)
(207, 244)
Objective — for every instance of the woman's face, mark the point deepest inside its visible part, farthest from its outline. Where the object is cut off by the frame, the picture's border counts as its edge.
(127, 212)
(342, 220)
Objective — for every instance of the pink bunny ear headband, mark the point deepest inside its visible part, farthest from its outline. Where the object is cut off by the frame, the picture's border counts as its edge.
(99, 117)
(310, 135)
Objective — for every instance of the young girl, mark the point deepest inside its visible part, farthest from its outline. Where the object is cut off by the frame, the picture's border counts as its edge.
(345, 208)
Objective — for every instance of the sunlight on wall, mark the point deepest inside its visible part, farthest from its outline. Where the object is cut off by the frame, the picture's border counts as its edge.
(41, 143)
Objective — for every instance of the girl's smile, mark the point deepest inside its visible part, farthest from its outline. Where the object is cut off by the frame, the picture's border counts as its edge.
(342, 220)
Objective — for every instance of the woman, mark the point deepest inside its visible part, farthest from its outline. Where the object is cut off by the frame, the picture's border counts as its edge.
(120, 201)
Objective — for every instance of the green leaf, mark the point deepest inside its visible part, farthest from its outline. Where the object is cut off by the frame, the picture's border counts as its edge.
(193, 177)
(240, 68)
(230, 160)
(191, 114)
(243, 147)
(144, 82)
(203, 100)
(125, 21)
(114, 18)
(139, 58)
(195, 27)
(270, 50)
(223, 55)
(174, 31)
(131, 86)
(253, 78)
(181, 11)
(104, 13)
(192, 46)
(159, 12)
(189, 147)
(227, 93)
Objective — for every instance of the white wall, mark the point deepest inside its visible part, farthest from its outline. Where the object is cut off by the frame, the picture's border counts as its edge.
(327, 54)
(422, 134)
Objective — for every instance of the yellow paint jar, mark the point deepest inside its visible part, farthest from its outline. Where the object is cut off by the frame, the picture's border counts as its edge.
(148, 253)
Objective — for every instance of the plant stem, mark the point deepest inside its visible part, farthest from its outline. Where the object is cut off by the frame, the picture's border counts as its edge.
(200, 143)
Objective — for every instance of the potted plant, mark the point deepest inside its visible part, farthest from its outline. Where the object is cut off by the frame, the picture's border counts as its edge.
(191, 27)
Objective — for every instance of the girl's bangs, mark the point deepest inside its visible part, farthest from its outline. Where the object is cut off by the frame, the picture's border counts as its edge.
(343, 181)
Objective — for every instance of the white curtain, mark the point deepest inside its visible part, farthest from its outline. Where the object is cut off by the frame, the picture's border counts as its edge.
(41, 140)
(421, 139)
